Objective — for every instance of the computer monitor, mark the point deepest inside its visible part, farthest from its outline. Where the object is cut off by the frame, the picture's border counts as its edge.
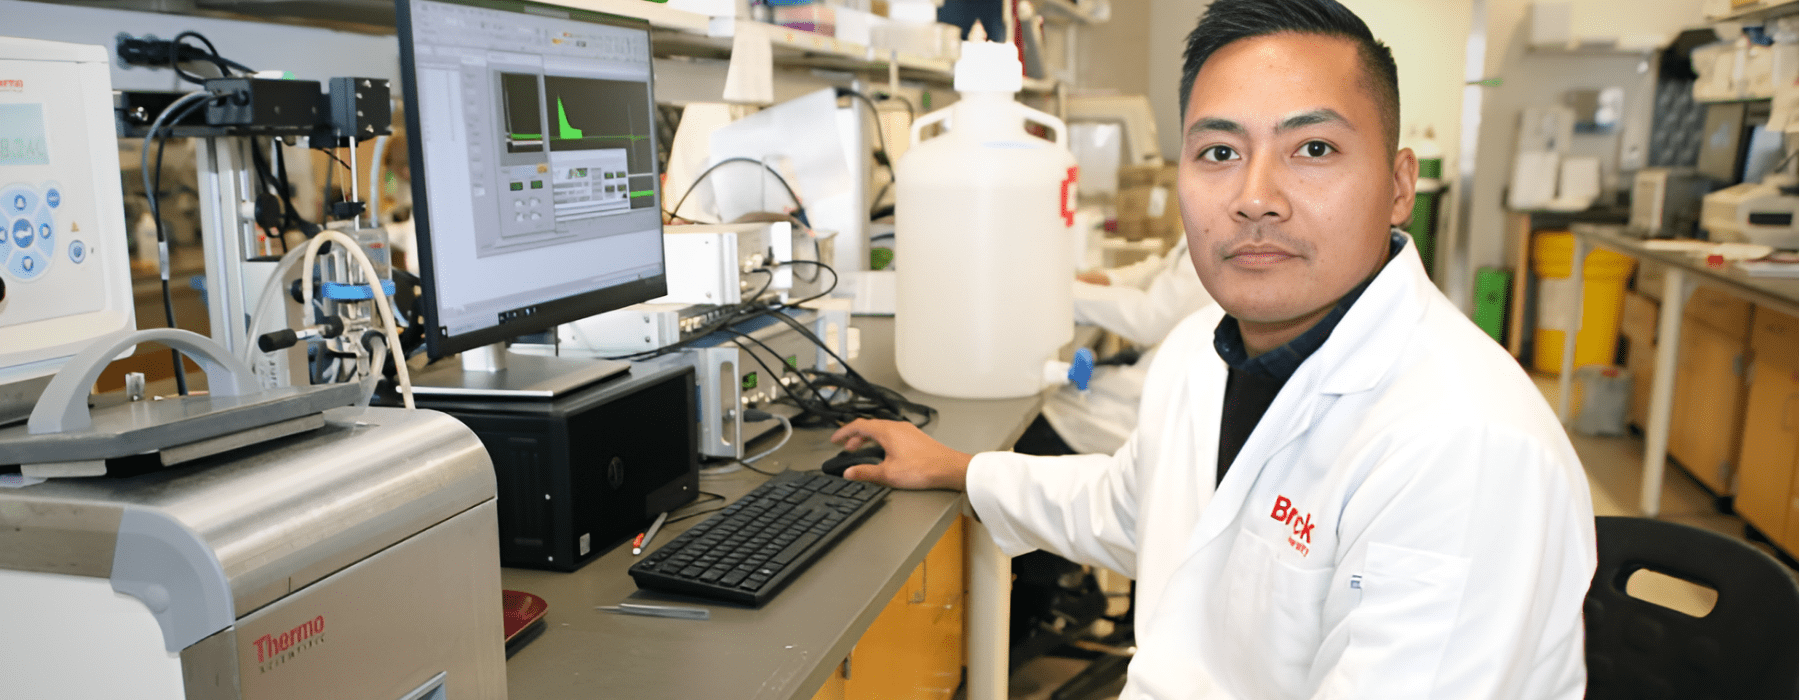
(1737, 145)
(535, 178)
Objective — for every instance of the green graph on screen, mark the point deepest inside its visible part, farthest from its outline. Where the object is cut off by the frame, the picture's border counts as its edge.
(568, 132)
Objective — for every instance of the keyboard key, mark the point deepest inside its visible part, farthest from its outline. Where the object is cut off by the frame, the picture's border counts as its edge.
(793, 550)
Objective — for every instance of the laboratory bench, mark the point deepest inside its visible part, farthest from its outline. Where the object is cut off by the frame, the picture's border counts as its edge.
(1721, 312)
(791, 647)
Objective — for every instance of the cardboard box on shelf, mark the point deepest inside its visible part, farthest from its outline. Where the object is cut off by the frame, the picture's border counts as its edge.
(1147, 205)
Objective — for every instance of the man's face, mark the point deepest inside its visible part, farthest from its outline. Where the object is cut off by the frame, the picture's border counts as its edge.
(1287, 187)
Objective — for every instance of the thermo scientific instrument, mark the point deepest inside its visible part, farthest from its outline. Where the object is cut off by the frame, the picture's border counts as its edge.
(360, 560)
(207, 562)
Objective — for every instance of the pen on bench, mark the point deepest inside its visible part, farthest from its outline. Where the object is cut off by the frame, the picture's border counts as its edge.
(675, 611)
(643, 539)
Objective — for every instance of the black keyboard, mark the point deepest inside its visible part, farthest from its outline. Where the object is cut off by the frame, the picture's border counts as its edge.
(748, 551)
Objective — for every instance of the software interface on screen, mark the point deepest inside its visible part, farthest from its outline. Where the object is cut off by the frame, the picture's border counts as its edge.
(538, 139)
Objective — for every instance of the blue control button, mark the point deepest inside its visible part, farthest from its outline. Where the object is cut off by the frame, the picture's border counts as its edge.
(27, 265)
(5, 240)
(18, 201)
(77, 252)
(46, 231)
(53, 198)
(21, 233)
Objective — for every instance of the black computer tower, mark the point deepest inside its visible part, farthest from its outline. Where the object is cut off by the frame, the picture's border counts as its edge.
(584, 472)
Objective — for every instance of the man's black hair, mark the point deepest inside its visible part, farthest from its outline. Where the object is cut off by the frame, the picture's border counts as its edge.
(1227, 21)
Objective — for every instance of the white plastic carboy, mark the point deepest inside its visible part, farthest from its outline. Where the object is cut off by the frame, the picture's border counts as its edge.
(982, 218)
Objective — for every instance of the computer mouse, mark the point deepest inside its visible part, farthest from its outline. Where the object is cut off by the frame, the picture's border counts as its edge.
(867, 454)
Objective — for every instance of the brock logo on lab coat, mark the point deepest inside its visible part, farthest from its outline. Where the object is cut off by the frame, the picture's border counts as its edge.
(1302, 524)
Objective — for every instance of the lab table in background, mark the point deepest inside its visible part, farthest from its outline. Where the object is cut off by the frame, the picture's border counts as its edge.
(1683, 274)
(788, 648)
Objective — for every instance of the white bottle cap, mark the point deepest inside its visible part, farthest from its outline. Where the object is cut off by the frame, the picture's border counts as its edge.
(987, 66)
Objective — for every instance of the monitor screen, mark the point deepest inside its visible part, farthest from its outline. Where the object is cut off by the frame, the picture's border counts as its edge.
(535, 178)
(1722, 143)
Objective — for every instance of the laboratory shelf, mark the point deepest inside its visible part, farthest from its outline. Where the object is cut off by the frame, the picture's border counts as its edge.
(1759, 12)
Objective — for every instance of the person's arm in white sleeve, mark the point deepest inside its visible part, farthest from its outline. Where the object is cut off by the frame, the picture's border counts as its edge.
(1144, 316)
(1475, 549)
(1081, 507)
(1137, 275)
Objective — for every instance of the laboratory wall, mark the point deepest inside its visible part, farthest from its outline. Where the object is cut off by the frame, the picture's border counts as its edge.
(1539, 78)
(1114, 56)
(1428, 38)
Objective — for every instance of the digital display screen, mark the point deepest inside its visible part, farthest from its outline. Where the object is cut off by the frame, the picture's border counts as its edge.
(22, 140)
(537, 187)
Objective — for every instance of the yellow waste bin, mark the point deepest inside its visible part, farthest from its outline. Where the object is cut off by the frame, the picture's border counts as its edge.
(1603, 296)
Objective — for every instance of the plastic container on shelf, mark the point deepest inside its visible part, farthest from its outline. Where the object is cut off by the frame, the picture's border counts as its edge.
(1602, 393)
(1603, 297)
(982, 218)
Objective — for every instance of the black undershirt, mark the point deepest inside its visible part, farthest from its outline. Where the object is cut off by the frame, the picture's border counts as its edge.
(1251, 383)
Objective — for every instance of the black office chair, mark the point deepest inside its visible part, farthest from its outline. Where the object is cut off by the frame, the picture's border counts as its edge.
(1746, 648)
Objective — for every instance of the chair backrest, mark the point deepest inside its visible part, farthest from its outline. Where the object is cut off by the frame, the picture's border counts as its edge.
(1746, 648)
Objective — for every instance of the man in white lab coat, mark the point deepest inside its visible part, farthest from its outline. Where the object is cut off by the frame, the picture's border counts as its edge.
(1339, 487)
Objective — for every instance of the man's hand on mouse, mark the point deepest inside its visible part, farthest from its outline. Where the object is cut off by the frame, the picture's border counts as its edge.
(914, 460)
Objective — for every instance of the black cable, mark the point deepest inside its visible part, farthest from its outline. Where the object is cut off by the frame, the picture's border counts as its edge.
(717, 497)
(821, 266)
(332, 154)
(882, 402)
(743, 464)
(266, 180)
(175, 60)
(881, 136)
(287, 195)
(896, 405)
(799, 209)
(910, 114)
(165, 122)
(177, 49)
(742, 311)
(775, 376)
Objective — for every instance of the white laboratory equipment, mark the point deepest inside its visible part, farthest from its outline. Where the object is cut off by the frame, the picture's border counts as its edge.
(64, 275)
(982, 221)
(246, 543)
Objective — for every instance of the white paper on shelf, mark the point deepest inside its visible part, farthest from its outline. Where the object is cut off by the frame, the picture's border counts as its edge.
(1533, 180)
(798, 137)
(750, 77)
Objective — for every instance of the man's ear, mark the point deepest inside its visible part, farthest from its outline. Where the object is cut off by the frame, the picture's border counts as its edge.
(1406, 177)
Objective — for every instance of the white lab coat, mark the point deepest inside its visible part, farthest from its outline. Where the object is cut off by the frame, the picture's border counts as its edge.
(1408, 520)
(1144, 302)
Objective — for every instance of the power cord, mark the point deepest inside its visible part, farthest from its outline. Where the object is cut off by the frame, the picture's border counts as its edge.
(178, 50)
(186, 104)
(697, 514)
(787, 434)
(799, 209)
(887, 158)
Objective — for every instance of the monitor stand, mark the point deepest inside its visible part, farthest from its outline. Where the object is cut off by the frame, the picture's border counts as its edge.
(492, 372)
